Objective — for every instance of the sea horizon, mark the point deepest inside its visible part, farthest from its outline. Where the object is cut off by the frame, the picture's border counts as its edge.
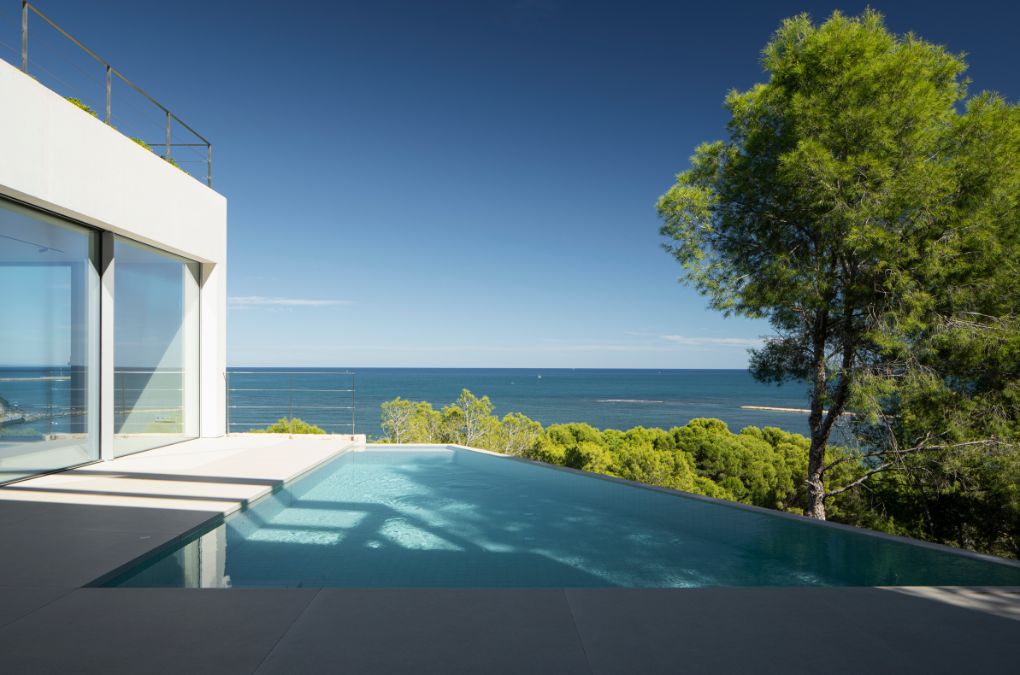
(619, 398)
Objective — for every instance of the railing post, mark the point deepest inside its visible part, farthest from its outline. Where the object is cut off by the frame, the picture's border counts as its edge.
(354, 404)
(109, 89)
(27, 7)
(226, 381)
(24, 36)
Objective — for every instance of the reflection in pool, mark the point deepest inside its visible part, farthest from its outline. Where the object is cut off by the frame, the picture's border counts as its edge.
(404, 516)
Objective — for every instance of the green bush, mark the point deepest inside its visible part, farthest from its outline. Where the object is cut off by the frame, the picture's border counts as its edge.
(756, 466)
(19, 432)
(975, 508)
(294, 425)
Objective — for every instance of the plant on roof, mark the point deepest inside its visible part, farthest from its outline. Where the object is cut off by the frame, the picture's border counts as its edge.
(82, 105)
(169, 160)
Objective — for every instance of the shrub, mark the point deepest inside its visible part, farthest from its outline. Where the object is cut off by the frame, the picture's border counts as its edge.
(169, 160)
(294, 425)
(81, 104)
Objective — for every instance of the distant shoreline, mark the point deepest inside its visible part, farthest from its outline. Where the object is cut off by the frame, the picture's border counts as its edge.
(772, 408)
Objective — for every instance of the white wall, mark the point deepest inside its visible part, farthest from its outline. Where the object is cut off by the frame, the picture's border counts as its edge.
(57, 157)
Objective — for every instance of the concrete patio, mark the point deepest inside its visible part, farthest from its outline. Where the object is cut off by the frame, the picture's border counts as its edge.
(62, 531)
(206, 474)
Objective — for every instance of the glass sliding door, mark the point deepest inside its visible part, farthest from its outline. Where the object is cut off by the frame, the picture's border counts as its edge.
(49, 343)
(155, 348)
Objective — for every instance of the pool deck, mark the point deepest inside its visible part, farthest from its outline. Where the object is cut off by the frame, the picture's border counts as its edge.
(60, 532)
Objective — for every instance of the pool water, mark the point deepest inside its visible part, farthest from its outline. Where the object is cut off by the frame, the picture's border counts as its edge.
(404, 516)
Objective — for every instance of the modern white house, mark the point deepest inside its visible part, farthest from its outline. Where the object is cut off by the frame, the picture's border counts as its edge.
(330, 553)
(113, 273)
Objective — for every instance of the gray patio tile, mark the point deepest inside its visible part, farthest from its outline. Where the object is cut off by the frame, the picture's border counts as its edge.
(939, 637)
(12, 511)
(444, 631)
(68, 556)
(16, 602)
(125, 518)
(113, 631)
(777, 630)
(691, 630)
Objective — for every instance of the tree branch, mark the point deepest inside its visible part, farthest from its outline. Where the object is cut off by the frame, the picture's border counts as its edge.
(854, 483)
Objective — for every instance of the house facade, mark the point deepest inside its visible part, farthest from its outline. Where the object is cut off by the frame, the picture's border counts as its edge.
(113, 276)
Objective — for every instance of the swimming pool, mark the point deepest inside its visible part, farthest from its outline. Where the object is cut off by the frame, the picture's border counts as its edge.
(433, 516)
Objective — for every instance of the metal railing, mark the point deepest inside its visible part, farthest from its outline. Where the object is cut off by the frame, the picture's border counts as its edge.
(257, 399)
(28, 8)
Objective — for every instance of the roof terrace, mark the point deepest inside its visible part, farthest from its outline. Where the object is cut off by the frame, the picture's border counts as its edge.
(65, 65)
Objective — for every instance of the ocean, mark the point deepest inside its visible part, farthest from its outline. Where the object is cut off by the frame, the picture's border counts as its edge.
(603, 398)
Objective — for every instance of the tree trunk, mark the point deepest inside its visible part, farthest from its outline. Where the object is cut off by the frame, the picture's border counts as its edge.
(819, 437)
(815, 483)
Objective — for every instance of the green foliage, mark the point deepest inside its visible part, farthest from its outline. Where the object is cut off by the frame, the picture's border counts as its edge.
(756, 466)
(873, 220)
(82, 105)
(517, 434)
(20, 432)
(295, 425)
(469, 421)
(87, 108)
(406, 421)
(972, 501)
(170, 424)
(169, 160)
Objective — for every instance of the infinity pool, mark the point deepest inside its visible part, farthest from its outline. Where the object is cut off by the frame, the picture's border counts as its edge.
(405, 516)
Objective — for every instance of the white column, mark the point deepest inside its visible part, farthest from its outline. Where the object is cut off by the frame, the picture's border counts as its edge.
(191, 356)
(213, 349)
(107, 266)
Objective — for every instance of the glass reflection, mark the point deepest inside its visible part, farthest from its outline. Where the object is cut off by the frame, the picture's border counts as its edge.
(155, 348)
(48, 343)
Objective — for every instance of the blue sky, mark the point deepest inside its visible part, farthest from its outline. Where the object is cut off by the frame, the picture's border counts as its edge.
(465, 183)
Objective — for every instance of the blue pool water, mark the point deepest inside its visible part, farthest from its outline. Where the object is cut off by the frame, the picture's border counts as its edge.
(401, 516)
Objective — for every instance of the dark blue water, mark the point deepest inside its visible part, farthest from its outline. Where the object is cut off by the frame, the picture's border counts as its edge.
(50, 400)
(602, 398)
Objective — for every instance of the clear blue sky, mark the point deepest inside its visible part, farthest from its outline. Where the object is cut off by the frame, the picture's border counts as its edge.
(468, 183)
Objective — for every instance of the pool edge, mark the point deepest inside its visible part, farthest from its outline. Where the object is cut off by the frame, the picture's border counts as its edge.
(863, 531)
